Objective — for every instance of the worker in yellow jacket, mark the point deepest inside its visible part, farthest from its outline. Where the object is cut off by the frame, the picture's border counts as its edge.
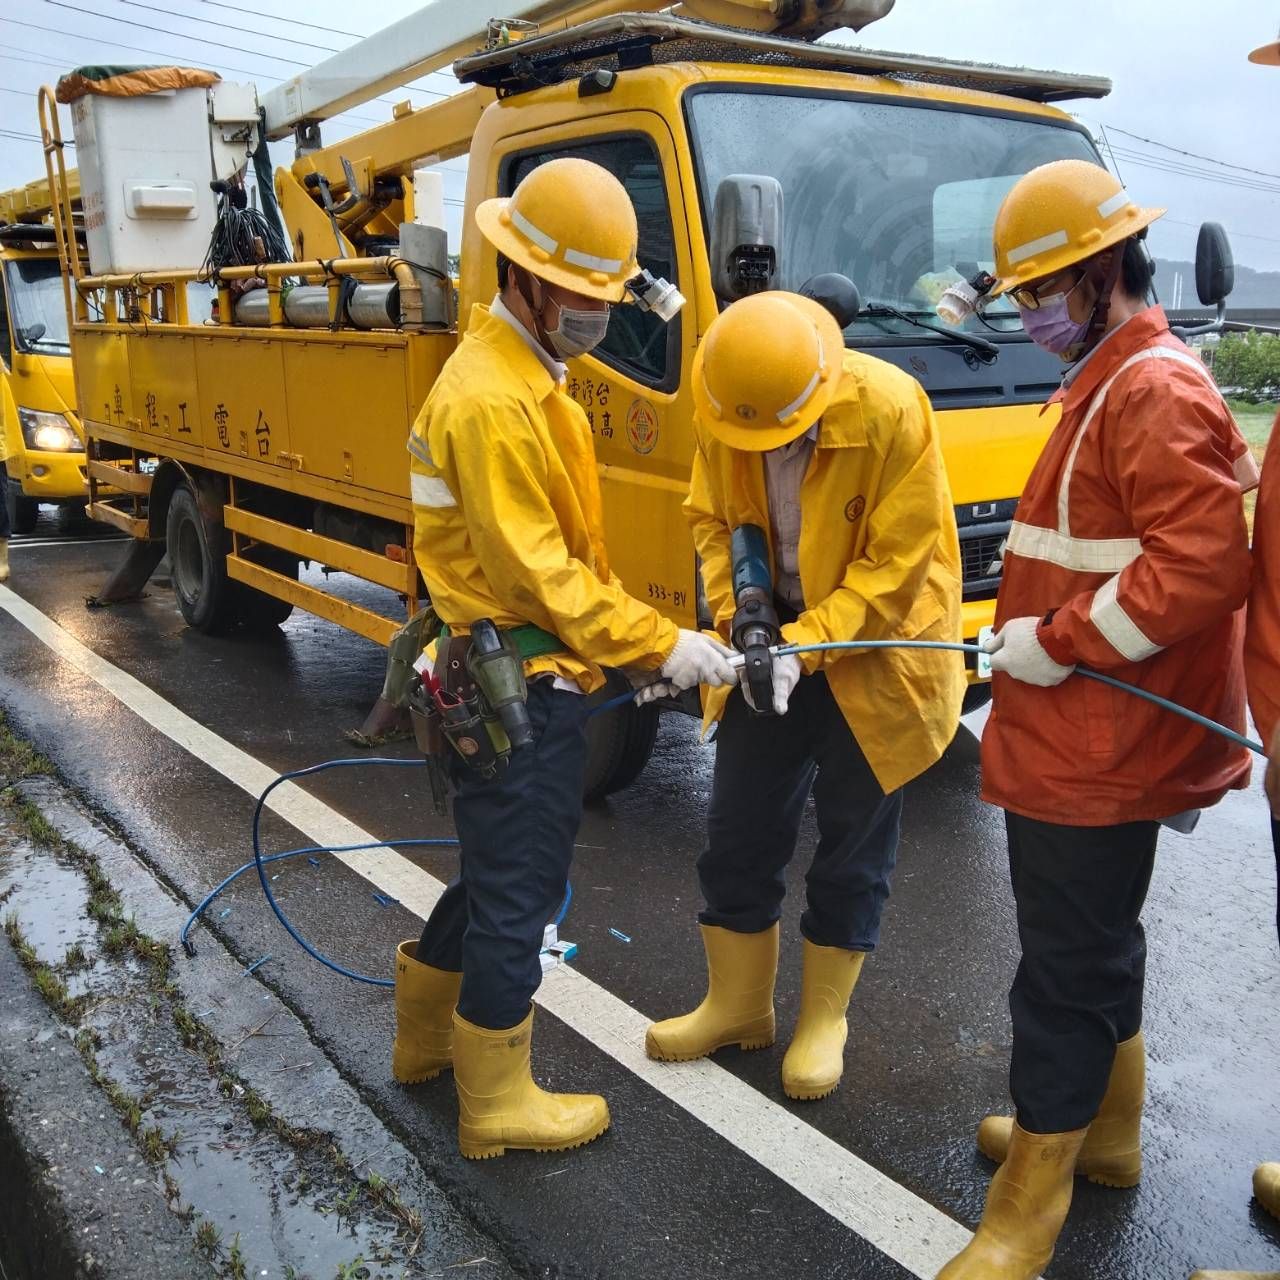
(508, 526)
(835, 455)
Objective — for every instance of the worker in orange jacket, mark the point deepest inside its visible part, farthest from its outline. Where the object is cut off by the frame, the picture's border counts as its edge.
(1128, 554)
(1262, 669)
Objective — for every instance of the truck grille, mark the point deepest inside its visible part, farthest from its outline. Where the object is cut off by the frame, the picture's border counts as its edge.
(983, 528)
(979, 555)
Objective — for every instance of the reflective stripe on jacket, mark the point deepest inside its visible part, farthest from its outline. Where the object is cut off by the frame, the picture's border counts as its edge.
(507, 516)
(1131, 533)
(879, 560)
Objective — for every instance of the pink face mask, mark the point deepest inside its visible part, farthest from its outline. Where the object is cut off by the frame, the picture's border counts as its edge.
(1050, 325)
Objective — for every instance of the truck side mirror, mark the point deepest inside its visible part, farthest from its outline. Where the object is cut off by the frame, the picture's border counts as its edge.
(746, 235)
(1215, 267)
(835, 292)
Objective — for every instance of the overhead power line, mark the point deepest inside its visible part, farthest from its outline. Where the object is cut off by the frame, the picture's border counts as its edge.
(217, 44)
(226, 26)
(35, 62)
(298, 22)
(22, 135)
(1182, 170)
(1194, 155)
(1235, 235)
(180, 59)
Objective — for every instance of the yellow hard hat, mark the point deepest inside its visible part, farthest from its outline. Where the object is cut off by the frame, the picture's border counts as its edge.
(766, 370)
(570, 222)
(1058, 215)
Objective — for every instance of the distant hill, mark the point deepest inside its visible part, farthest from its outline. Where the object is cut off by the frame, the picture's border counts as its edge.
(1254, 289)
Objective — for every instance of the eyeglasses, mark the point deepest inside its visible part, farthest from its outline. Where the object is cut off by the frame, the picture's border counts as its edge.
(1029, 297)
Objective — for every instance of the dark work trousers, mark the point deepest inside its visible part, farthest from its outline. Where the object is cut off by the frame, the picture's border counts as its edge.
(765, 768)
(5, 529)
(1078, 990)
(1275, 844)
(516, 833)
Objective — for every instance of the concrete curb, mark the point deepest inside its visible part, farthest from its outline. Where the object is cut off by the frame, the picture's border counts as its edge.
(76, 1198)
(62, 1219)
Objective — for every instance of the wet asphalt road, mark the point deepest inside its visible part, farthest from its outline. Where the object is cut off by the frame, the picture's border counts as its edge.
(662, 1194)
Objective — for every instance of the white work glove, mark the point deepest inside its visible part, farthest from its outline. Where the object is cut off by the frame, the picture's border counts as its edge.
(698, 660)
(1016, 650)
(652, 691)
(786, 675)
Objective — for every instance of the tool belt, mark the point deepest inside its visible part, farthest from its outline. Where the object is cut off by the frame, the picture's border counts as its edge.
(530, 641)
(473, 704)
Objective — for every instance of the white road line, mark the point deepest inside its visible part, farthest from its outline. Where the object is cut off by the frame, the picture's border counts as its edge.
(17, 544)
(893, 1219)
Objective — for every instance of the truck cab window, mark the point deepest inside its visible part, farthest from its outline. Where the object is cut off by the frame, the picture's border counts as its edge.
(638, 343)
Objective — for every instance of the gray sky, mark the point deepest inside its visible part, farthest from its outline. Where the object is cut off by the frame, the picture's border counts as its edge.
(1179, 69)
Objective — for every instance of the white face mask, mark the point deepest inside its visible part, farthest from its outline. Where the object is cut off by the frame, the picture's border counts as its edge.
(578, 331)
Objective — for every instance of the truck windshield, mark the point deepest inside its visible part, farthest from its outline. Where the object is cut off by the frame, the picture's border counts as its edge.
(901, 199)
(37, 308)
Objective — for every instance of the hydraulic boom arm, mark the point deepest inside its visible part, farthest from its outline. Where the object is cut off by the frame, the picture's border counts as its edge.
(444, 30)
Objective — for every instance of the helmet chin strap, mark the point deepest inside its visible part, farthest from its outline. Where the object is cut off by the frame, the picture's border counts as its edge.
(1105, 283)
(524, 286)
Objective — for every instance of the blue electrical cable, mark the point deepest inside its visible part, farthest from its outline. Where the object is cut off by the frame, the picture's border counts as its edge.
(260, 860)
(310, 849)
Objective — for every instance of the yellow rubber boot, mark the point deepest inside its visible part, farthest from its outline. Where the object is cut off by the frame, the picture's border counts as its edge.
(1266, 1188)
(425, 998)
(815, 1058)
(738, 1009)
(499, 1106)
(1026, 1207)
(4, 560)
(1112, 1152)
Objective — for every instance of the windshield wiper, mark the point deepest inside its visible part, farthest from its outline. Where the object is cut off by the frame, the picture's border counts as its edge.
(986, 351)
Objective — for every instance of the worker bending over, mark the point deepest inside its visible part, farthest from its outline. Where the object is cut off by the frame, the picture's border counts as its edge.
(835, 457)
(508, 526)
(1128, 554)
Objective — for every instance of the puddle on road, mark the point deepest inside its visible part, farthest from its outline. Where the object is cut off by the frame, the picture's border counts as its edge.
(50, 899)
(294, 1212)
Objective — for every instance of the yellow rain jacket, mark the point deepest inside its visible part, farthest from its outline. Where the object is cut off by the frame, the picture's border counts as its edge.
(507, 516)
(879, 560)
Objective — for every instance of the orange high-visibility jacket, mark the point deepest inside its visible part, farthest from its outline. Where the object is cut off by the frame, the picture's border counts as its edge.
(1130, 542)
(1262, 636)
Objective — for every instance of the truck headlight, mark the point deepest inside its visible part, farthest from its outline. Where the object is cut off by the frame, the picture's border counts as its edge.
(48, 432)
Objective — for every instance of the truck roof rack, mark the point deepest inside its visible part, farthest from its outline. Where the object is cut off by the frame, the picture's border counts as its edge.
(33, 203)
(631, 40)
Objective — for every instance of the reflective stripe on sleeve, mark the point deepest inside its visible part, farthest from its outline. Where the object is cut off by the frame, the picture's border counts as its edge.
(431, 491)
(1080, 555)
(1118, 629)
(1248, 473)
(420, 450)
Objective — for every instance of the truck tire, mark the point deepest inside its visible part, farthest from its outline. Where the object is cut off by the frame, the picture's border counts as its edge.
(198, 558)
(619, 742)
(257, 610)
(23, 511)
(73, 517)
(975, 696)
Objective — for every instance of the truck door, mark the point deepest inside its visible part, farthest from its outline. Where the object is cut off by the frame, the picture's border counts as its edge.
(631, 387)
